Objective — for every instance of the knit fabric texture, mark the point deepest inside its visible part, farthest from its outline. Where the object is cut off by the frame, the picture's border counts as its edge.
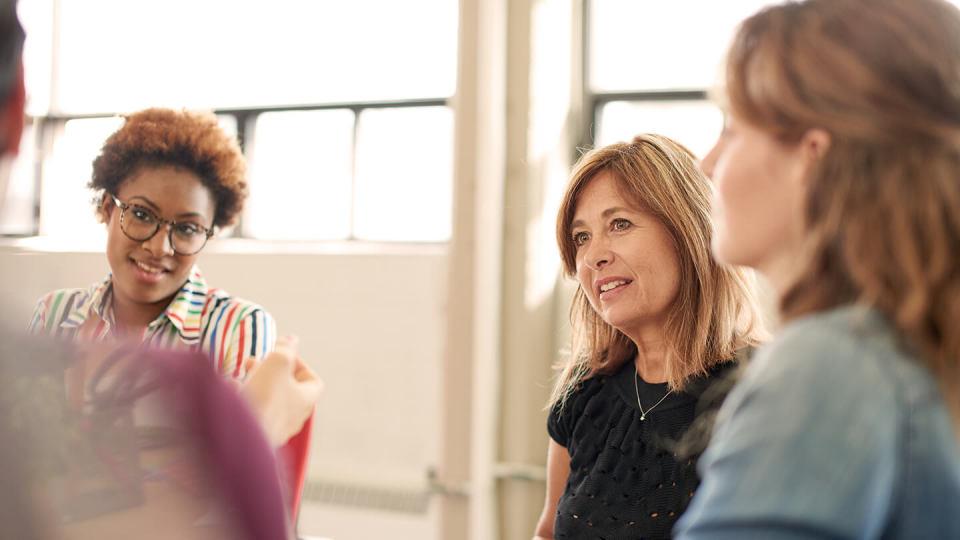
(627, 478)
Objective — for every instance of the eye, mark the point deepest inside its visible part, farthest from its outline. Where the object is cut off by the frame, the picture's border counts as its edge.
(620, 224)
(187, 230)
(580, 238)
(142, 214)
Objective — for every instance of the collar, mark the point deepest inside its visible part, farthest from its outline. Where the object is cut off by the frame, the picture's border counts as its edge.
(184, 311)
(186, 308)
(96, 302)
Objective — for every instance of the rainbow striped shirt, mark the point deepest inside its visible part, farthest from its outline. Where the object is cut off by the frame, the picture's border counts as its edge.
(227, 329)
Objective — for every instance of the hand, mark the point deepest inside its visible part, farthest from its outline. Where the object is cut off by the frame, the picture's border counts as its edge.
(282, 390)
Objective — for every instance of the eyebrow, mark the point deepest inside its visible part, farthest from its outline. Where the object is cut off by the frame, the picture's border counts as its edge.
(605, 214)
(148, 201)
(156, 208)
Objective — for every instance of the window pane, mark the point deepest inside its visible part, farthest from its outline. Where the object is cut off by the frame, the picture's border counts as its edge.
(404, 174)
(695, 124)
(661, 45)
(67, 209)
(37, 19)
(228, 123)
(123, 55)
(17, 215)
(300, 175)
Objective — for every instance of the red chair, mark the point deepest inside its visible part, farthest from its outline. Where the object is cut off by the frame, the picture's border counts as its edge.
(293, 457)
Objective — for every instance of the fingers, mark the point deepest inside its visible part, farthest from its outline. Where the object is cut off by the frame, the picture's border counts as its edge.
(302, 371)
(284, 356)
(310, 391)
(249, 366)
(288, 345)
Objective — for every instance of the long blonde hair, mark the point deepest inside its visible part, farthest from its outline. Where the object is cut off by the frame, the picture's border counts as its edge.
(883, 209)
(714, 314)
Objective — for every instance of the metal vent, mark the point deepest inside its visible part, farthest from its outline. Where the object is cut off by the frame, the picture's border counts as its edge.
(405, 500)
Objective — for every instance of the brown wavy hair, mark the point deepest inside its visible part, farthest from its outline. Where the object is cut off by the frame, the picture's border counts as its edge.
(189, 140)
(882, 214)
(714, 315)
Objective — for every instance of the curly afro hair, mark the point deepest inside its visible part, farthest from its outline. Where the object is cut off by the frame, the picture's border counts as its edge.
(184, 139)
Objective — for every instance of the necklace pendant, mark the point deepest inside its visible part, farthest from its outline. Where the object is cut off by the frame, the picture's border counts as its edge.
(642, 418)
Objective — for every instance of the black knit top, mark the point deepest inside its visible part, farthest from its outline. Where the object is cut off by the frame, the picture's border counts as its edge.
(625, 481)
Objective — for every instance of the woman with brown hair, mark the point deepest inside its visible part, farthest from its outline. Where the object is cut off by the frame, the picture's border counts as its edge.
(838, 177)
(655, 321)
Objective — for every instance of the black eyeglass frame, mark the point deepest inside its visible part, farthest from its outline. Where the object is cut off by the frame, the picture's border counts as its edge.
(207, 233)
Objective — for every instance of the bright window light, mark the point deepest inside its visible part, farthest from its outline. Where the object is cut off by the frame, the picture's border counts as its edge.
(671, 45)
(296, 73)
(404, 174)
(36, 16)
(695, 124)
(301, 171)
(66, 204)
(118, 55)
(17, 212)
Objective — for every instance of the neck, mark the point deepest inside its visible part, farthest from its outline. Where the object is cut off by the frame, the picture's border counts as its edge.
(651, 359)
(781, 272)
(133, 318)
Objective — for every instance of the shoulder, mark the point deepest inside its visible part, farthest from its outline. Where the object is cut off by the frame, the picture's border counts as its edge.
(49, 299)
(591, 393)
(223, 305)
(246, 325)
(57, 305)
(848, 349)
(589, 388)
(59, 295)
(833, 376)
(819, 410)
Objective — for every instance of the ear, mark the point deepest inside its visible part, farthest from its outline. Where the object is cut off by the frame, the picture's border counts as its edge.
(106, 207)
(815, 143)
(11, 116)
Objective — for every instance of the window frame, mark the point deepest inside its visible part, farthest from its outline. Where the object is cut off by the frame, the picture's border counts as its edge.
(594, 101)
(245, 118)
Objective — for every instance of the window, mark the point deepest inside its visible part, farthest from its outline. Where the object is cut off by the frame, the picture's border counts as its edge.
(17, 215)
(647, 76)
(301, 162)
(67, 207)
(341, 107)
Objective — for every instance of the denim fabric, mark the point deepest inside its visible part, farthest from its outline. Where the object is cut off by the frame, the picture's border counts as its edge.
(833, 432)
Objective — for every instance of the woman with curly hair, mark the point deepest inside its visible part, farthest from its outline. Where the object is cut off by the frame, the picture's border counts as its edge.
(169, 180)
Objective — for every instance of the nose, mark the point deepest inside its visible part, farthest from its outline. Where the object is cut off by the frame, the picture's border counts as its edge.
(710, 160)
(159, 244)
(598, 254)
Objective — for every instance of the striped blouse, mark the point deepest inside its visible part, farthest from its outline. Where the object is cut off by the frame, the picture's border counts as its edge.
(227, 329)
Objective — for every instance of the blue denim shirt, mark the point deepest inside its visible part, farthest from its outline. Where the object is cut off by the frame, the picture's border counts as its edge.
(833, 432)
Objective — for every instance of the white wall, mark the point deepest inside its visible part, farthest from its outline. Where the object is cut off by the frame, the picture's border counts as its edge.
(371, 324)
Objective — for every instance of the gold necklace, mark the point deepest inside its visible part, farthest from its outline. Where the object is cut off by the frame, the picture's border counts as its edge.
(636, 388)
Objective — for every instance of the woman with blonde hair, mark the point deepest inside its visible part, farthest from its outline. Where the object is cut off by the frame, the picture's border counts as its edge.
(838, 177)
(655, 321)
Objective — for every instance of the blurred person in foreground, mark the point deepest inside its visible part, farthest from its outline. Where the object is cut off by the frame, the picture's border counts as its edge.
(117, 441)
(657, 323)
(838, 177)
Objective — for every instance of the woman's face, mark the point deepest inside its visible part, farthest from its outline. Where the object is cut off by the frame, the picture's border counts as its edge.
(626, 261)
(149, 273)
(758, 198)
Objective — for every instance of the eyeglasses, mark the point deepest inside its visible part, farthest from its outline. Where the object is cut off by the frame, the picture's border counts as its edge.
(141, 224)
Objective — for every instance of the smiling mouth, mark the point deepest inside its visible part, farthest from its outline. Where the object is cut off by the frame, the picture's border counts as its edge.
(613, 285)
(149, 269)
